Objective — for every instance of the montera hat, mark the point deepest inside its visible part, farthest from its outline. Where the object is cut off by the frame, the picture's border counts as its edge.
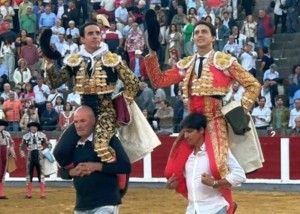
(3, 123)
(46, 48)
(153, 30)
(36, 124)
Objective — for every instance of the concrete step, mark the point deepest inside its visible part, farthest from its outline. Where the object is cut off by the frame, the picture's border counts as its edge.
(283, 37)
(278, 45)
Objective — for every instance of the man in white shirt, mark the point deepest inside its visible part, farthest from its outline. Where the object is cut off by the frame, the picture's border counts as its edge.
(248, 58)
(121, 15)
(74, 98)
(235, 93)
(69, 47)
(261, 114)
(295, 112)
(41, 92)
(206, 193)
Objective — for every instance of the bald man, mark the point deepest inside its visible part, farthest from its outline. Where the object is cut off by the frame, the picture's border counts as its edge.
(96, 183)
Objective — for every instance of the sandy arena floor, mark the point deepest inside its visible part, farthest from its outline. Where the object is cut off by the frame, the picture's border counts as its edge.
(146, 201)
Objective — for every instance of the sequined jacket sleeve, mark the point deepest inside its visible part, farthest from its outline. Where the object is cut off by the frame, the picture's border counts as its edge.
(161, 79)
(248, 81)
(131, 82)
(57, 78)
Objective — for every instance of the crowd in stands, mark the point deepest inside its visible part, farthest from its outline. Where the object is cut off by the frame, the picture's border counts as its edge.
(26, 97)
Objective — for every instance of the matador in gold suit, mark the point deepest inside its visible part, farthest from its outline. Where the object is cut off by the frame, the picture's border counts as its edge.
(95, 79)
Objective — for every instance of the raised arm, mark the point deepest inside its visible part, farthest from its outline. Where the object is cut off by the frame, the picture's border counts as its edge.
(54, 78)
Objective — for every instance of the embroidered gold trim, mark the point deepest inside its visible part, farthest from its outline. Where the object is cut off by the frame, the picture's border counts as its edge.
(111, 59)
(73, 60)
(222, 60)
(185, 62)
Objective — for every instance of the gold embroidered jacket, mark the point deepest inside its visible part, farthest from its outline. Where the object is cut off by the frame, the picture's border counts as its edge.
(105, 72)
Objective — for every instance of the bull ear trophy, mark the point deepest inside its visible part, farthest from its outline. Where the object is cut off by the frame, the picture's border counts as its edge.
(46, 48)
(153, 30)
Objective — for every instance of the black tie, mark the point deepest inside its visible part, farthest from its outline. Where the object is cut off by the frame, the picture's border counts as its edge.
(200, 66)
(34, 140)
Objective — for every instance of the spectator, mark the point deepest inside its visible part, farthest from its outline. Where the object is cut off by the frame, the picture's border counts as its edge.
(33, 78)
(49, 118)
(27, 96)
(21, 41)
(292, 15)
(57, 30)
(107, 8)
(249, 28)
(179, 19)
(296, 74)
(223, 33)
(28, 22)
(280, 14)
(60, 9)
(7, 89)
(134, 41)
(159, 96)
(74, 99)
(153, 123)
(29, 116)
(248, 57)
(53, 95)
(280, 115)
(41, 92)
(13, 109)
(38, 9)
(173, 39)
(113, 38)
(240, 38)
(162, 20)
(66, 116)
(8, 51)
(228, 21)
(187, 31)
(265, 92)
(69, 47)
(23, 8)
(295, 112)
(82, 5)
(172, 11)
(121, 15)
(127, 28)
(165, 115)
(3, 73)
(74, 31)
(31, 54)
(261, 114)
(192, 14)
(137, 13)
(145, 98)
(59, 105)
(22, 74)
(266, 61)
(264, 32)
(103, 24)
(296, 131)
(235, 93)
(137, 65)
(47, 19)
(72, 13)
(231, 47)
(273, 76)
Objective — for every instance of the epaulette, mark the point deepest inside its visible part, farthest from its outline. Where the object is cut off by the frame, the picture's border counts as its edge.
(223, 61)
(185, 62)
(73, 60)
(26, 136)
(41, 135)
(110, 59)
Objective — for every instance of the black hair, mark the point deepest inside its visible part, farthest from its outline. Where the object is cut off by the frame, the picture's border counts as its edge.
(211, 27)
(82, 29)
(194, 121)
